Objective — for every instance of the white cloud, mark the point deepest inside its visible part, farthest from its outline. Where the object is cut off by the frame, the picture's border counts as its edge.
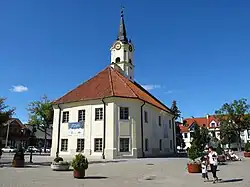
(172, 91)
(19, 88)
(149, 87)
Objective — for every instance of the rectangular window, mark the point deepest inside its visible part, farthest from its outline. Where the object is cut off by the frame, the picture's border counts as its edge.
(124, 113)
(185, 135)
(170, 125)
(65, 117)
(80, 145)
(171, 144)
(159, 120)
(160, 145)
(98, 113)
(248, 133)
(146, 144)
(146, 116)
(98, 145)
(64, 144)
(124, 144)
(81, 115)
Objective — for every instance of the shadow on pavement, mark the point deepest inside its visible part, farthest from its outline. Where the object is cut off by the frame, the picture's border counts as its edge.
(95, 177)
(231, 180)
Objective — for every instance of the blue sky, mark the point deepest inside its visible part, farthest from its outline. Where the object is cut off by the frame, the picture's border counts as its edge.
(196, 52)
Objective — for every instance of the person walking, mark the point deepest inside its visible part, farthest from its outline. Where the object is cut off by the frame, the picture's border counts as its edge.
(213, 161)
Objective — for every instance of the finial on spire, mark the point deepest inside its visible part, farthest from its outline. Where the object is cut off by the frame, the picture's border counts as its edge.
(122, 11)
(122, 35)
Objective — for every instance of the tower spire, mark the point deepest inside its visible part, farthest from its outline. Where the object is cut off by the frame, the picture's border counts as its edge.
(122, 35)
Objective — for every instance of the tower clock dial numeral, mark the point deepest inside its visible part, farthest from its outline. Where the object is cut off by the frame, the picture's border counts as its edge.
(130, 48)
(118, 46)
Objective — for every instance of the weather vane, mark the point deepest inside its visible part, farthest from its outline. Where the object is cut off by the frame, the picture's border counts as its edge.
(122, 11)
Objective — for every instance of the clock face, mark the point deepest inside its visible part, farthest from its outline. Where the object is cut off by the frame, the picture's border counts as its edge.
(130, 48)
(118, 46)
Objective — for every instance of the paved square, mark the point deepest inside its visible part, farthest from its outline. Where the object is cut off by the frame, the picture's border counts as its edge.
(162, 172)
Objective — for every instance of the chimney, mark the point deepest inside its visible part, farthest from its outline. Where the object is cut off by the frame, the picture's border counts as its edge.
(207, 116)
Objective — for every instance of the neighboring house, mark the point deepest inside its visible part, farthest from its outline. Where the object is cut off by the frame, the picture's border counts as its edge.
(112, 116)
(40, 136)
(209, 122)
(14, 132)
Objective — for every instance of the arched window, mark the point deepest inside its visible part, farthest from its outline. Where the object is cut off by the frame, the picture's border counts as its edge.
(130, 61)
(117, 59)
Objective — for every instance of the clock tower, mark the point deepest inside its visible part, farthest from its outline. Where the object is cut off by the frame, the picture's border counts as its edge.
(122, 52)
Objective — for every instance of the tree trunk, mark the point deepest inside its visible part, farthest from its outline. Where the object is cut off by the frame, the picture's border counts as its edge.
(45, 139)
(239, 141)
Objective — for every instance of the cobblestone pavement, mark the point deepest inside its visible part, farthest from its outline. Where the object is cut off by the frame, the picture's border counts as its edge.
(160, 172)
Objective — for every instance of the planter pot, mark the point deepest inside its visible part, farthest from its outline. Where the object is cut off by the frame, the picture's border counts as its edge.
(60, 167)
(18, 163)
(246, 154)
(194, 168)
(221, 158)
(79, 174)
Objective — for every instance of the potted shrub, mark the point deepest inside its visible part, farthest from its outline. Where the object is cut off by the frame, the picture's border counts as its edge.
(18, 160)
(60, 165)
(194, 165)
(247, 150)
(221, 156)
(80, 164)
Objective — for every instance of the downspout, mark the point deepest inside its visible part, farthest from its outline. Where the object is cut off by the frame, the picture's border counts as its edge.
(142, 131)
(174, 135)
(59, 131)
(104, 128)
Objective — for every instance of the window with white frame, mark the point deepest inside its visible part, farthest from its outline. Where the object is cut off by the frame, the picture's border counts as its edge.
(185, 135)
(124, 144)
(170, 124)
(65, 117)
(81, 115)
(64, 144)
(98, 113)
(80, 145)
(124, 113)
(248, 133)
(160, 145)
(98, 145)
(146, 144)
(146, 116)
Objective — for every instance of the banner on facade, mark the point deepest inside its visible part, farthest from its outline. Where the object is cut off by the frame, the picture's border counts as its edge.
(75, 128)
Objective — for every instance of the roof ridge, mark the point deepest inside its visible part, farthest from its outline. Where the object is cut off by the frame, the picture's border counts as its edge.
(125, 82)
(80, 85)
(111, 82)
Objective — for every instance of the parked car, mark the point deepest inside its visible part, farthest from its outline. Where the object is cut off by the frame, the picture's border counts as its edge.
(33, 149)
(8, 149)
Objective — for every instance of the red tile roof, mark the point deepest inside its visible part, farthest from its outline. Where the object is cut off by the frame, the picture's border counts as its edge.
(110, 83)
(201, 121)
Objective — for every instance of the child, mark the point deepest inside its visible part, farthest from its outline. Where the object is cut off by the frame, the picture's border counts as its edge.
(204, 163)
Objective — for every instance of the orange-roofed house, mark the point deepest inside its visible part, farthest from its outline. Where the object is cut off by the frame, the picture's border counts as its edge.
(210, 122)
(112, 116)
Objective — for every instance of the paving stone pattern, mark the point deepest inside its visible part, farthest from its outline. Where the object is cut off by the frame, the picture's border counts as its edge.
(157, 172)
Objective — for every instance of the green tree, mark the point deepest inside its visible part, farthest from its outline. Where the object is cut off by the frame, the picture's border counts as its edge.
(179, 138)
(234, 118)
(200, 137)
(41, 115)
(5, 114)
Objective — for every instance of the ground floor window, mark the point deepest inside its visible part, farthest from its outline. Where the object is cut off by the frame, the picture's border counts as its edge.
(146, 144)
(64, 144)
(80, 145)
(124, 144)
(160, 145)
(98, 145)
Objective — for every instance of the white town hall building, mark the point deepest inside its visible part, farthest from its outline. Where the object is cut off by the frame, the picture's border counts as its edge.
(111, 116)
